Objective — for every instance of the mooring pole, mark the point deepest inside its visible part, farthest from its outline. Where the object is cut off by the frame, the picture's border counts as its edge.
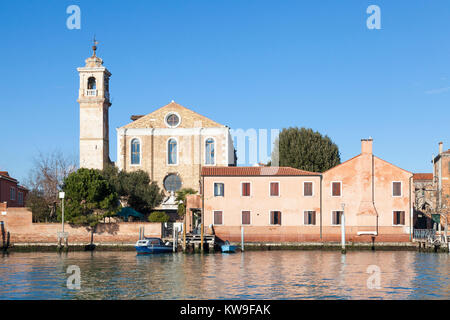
(343, 229)
(242, 239)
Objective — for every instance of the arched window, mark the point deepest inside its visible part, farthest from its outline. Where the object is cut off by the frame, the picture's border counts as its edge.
(135, 151)
(92, 84)
(209, 148)
(172, 152)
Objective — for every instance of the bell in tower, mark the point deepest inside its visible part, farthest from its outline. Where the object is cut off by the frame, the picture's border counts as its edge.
(93, 98)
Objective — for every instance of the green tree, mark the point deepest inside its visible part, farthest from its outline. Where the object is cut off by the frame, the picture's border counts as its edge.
(180, 199)
(305, 149)
(89, 198)
(158, 216)
(135, 188)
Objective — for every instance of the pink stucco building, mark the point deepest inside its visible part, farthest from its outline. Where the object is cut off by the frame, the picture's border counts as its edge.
(281, 204)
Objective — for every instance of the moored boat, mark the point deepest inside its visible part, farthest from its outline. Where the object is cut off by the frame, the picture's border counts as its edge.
(228, 248)
(152, 245)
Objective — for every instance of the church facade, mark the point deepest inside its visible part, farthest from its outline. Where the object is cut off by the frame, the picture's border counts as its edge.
(171, 143)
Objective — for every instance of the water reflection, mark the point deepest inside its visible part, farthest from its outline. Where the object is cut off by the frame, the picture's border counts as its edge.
(250, 275)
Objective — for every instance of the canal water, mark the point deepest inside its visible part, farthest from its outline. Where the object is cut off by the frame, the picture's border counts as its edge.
(250, 275)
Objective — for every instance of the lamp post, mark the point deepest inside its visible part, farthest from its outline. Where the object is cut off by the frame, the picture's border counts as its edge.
(343, 228)
(61, 196)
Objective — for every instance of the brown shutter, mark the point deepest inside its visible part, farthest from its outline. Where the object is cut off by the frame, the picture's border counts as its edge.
(274, 189)
(397, 189)
(305, 217)
(308, 188)
(217, 217)
(402, 217)
(313, 213)
(336, 188)
(245, 217)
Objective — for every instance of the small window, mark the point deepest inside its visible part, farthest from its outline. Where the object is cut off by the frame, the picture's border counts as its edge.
(135, 151)
(219, 189)
(209, 148)
(172, 182)
(246, 189)
(336, 189)
(12, 193)
(274, 189)
(307, 189)
(310, 218)
(275, 217)
(399, 218)
(218, 217)
(172, 152)
(337, 217)
(20, 197)
(245, 217)
(396, 189)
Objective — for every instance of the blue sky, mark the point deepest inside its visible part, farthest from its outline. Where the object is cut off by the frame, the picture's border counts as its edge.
(246, 64)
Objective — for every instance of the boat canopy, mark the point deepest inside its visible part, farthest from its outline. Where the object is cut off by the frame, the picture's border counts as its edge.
(128, 211)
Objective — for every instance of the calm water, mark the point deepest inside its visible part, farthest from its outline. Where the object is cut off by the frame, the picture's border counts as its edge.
(251, 275)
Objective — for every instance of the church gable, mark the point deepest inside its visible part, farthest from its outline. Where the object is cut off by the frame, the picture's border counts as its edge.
(172, 115)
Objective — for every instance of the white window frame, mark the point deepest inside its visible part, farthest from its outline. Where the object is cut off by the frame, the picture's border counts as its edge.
(331, 189)
(12, 193)
(214, 188)
(170, 113)
(167, 151)
(312, 182)
(309, 225)
(279, 188)
(250, 218)
(339, 210)
(398, 225)
(270, 213)
(223, 218)
(140, 152)
(215, 153)
(251, 189)
(401, 190)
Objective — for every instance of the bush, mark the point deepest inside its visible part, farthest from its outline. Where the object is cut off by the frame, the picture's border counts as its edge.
(158, 216)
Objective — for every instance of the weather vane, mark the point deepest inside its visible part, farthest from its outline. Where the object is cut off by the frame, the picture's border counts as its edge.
(94, 47)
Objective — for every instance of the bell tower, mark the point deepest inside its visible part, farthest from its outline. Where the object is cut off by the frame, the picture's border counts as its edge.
(93, 98)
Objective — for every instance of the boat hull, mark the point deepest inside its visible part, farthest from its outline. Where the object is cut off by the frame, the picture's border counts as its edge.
(226, 248)
(152, 249)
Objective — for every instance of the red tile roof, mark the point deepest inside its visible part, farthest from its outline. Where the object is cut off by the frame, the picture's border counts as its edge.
(255, 171)
(423, 176)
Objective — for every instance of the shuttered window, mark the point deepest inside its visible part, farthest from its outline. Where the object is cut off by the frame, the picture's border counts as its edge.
(336, 189)
(246, 189)
(337, 217)
(274, 189)
(309, 217)
(245, 217)
(399, 217)
(275, 217)
(307, 189)
(218, 217)
(396, 189)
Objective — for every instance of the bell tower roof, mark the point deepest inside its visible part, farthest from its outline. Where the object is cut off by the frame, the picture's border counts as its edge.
(94, 61)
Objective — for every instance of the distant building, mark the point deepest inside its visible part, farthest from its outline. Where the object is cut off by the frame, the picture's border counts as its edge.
(285, 204)
(11, 192)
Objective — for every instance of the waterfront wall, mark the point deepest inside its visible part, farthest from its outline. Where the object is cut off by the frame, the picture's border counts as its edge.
(18, 221)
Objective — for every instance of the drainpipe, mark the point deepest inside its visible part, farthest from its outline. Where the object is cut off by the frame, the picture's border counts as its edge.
(203, 213)
(321, 206)
(410, 210)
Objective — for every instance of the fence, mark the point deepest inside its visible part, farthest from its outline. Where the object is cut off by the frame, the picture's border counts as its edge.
(424, 234)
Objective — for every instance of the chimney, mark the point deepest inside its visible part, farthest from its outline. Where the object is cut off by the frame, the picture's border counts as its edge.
(366, 145)
(440, 147)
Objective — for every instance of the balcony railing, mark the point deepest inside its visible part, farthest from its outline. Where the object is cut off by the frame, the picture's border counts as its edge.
(91, 92)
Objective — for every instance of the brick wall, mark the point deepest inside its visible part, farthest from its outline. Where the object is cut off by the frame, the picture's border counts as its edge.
(18, 221)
